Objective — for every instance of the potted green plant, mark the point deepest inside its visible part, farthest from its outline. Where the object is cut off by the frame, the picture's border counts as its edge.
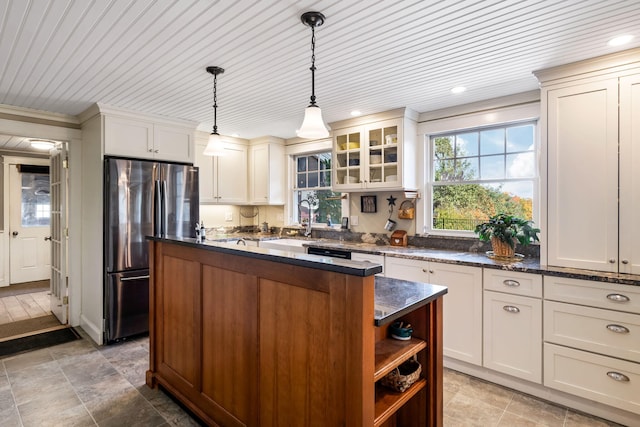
(504, 231)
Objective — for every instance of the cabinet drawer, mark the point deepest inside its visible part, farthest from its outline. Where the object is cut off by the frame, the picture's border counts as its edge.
(595, 294)
(513, 282)
(602, 331)
(593, 376)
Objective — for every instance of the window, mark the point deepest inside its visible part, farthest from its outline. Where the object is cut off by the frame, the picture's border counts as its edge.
(36, 207)
(313, 199)
(480, 172)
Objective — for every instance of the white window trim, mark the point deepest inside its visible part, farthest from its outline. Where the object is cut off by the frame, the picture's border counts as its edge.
(306, 148)
(493, 117)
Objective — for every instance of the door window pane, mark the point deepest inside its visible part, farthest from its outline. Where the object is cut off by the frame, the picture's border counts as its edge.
(36, 205)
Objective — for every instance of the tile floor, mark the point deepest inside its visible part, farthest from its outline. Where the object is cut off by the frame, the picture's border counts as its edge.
(80, 384)
(25, 306)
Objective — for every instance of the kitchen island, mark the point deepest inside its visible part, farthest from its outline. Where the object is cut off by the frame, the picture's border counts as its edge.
(257, 337)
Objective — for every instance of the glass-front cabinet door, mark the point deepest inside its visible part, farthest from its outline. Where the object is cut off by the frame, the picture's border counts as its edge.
(369, 156)
(349, 159)
(383, 142)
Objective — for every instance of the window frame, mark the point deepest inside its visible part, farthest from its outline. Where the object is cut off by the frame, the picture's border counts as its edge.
(475, 121)
(308, 149)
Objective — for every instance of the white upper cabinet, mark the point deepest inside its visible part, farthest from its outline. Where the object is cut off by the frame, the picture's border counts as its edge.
(592, 135)
(130, 137)
(223, 179)
(267, 172)
(630, 174)
(372, 153)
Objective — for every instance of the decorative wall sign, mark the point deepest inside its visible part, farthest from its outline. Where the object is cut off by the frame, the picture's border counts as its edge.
(368, 204)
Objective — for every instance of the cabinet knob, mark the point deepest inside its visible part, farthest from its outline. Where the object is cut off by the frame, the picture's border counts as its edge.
(618, 329)
(511, 309)
(612, 260)
(511, 283)
(155, 151)
(625, 261)
(618, 298)
(150, 150)
(618, 376)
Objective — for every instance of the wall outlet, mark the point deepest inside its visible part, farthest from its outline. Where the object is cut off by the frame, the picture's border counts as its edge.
(228, 216)
(353, 220)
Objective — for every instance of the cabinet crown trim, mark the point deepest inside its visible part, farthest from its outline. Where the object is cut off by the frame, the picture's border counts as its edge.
(110, 110)
(376, 117)
(606, 64)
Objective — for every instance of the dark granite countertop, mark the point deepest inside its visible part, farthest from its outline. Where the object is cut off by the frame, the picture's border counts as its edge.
(394, 298)
(477, 259)
(345, 266)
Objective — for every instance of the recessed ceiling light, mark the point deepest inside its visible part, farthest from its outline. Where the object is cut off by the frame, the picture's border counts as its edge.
(620, 40)
(42, 144)
(356, 113)
(458, 89)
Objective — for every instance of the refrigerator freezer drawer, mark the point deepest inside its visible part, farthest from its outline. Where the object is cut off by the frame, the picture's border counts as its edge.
(127, 304)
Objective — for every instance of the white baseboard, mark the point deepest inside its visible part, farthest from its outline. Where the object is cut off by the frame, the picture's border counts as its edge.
(538, 390)
(91, 329)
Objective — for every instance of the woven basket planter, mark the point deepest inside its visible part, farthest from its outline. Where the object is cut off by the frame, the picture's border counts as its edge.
(502, 249)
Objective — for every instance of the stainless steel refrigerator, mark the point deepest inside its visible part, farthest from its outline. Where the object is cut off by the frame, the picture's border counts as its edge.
(142, 198)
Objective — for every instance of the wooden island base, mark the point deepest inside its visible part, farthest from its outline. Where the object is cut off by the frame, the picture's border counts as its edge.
(247, 339)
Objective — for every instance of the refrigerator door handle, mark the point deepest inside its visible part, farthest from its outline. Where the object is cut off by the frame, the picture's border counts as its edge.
(165, 208)
(126, 279)
(157, 209)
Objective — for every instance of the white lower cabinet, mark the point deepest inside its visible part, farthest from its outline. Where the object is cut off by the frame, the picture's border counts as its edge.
(462, 316)
(589, 328)
(593, 376)
(513, 335)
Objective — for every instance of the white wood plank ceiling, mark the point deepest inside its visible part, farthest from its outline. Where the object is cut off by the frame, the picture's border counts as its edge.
(150, 55)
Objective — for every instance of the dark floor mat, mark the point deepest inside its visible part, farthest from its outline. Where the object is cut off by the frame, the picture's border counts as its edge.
(35, 342)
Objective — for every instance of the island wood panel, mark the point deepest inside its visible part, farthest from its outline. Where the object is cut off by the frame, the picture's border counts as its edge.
(230, 350)
(314, 368)
(179, 300)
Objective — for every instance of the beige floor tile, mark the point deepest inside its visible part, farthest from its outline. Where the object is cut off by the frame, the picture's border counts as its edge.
(541, 412)
(489, 393)
(468, 411)
(575, 419)
(513, 420)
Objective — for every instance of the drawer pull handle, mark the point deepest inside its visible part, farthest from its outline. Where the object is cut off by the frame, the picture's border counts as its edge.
(618, 376)
(512, 283)
(618, 329)
(511, 309)
(618, 298)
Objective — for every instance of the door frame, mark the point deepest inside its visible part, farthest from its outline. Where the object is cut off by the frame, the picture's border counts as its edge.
(28, 123)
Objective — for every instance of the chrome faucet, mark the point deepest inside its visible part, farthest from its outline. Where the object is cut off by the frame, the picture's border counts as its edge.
(241, 240)
(307, 231)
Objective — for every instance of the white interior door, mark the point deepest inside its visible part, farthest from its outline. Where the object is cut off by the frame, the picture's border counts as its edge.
(59, 286)
(29, 211)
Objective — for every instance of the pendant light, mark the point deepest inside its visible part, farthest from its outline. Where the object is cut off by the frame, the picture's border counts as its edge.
(215, 146)
(313, 126)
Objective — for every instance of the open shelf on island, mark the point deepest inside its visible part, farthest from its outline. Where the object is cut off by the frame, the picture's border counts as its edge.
(391, 352)
(389, 401)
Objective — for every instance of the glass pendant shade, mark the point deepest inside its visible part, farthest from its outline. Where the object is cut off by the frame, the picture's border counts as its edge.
(313, 126)
(215, 146)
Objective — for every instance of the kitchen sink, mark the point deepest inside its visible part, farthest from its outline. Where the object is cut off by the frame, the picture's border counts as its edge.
(291, 245)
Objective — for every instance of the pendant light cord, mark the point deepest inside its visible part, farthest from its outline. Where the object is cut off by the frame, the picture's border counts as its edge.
(215, 104)
(313, 67)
